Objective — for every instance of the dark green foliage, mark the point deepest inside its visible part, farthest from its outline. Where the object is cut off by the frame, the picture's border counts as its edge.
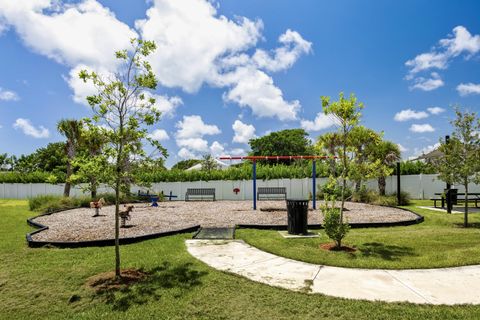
(288, 142)
(334, 227)
(185, 164)
(373, 197)
(29, 177)
(51, 203)
(415, 167)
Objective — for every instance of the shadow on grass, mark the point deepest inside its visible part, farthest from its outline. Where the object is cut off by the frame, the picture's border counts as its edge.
(385, 252)
(472, 225)
(166, 276)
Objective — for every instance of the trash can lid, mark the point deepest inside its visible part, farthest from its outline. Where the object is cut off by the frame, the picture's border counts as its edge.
(297, 199)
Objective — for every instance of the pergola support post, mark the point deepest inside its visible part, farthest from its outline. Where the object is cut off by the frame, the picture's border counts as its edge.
(254, 185)
(314, 184)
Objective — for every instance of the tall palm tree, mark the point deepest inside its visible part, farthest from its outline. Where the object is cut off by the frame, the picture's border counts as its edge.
(70, 129)
(92, 142)
(328, 144)
(388, 153)
(361, 141)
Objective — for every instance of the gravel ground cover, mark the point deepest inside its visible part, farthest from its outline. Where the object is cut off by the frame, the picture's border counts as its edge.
(79, 225)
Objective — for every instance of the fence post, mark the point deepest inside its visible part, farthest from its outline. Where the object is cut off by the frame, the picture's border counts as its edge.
(399, 190)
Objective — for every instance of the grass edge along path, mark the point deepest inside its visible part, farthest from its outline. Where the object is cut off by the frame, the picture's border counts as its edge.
(49, 283)
(440, 241)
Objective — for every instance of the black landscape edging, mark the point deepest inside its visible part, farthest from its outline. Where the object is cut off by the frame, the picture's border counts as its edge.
(417, 220)
(94, 243)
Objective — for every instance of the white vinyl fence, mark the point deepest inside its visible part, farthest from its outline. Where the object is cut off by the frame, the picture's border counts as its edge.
(418, 186)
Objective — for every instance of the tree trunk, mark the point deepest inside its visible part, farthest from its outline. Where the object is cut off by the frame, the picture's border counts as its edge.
(358, 185)
(344, 176)
(66, 189)
(381, 185)
(93, 187)
(117, 226)
(465, 219)
(70, 156)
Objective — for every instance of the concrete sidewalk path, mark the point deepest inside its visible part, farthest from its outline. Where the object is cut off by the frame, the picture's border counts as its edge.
(426, 286)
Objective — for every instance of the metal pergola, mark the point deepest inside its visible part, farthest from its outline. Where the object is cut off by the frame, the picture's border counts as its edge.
(254, 173)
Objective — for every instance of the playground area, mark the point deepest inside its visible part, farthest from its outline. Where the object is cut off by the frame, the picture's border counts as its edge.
(78, 224)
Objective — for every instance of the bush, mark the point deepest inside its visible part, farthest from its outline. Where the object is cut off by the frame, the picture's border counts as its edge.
(404, 198)
(389, 201)
(334, 228)
(364, 195)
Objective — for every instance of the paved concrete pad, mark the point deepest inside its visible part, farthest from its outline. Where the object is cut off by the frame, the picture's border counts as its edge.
(426, 286)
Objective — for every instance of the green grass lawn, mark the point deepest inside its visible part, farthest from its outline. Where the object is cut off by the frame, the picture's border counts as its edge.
(38, 284)
(440, 241)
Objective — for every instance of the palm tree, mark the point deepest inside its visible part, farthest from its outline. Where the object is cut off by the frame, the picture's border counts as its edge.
(208, 163)
(361, 141)
(92, 142)
(71, 129)
(388, 153)
(328, 144)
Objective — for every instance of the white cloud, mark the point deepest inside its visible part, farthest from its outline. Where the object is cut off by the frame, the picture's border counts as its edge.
(217, 149)
(421, 128)
(8, 95)
(402, 148)
(28, 129)
(255, 89)
(159, 135)
(322, 121)
(285, 56)
(71, 34)
(186, 154)
(427, 61)
(243, 132)
(198, 46)
(190, 133)
(461, 41)
(410, 114)
(465, 89)
(191, 37)
(167, 105)
(428, 84)
(435, 110)
(194, 127)
(193, 144)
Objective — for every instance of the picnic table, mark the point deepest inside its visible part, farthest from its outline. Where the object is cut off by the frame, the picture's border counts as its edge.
(473, 197)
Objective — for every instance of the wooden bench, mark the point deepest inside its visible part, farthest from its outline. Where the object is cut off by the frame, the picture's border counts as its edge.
(200, 192)
(276, 192)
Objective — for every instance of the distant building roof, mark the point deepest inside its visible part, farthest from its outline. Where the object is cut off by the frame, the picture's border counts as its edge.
(432, 155)
(220, 165)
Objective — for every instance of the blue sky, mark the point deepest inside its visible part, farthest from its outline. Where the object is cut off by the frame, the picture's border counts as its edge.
(231, 70)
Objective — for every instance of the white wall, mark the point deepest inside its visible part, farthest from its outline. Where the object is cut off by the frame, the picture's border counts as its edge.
(418, 186)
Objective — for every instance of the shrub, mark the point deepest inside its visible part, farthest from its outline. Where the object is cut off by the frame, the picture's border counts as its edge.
(364, 195)
(334, 228)
(404, 198)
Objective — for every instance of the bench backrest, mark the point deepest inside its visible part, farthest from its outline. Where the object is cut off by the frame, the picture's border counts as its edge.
(272, 190)
(200, 191)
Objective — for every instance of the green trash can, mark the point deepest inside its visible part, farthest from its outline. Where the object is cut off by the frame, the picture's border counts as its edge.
(297, 211)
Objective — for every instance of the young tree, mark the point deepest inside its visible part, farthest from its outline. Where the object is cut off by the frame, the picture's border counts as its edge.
(346, 112)
(208, 163)
(70, 128)
(124, 108)
(460, 163)
(185, 164)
